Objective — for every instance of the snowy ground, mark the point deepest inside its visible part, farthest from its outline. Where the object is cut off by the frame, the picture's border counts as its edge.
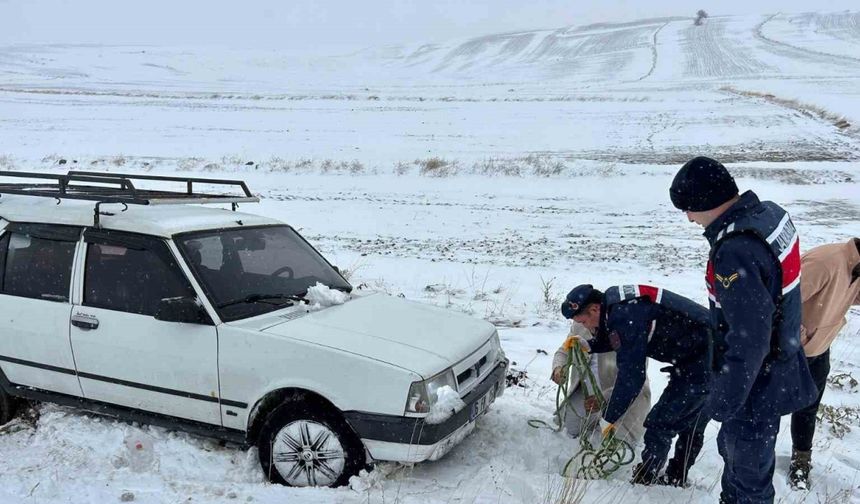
(557, 149)
(484, 246)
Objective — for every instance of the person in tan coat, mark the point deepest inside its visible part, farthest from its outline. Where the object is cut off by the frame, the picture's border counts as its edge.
(582, 415)
(829, 286)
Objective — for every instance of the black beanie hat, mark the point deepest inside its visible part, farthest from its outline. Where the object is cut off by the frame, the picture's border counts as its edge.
(702, 184)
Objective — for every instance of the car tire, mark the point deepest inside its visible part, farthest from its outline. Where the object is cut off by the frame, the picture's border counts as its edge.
(8, 407)
(303, 443)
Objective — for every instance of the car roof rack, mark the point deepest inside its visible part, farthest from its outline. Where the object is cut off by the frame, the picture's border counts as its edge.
(106, 187)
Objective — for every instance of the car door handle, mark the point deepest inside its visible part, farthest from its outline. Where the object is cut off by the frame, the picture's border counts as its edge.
(85, 322)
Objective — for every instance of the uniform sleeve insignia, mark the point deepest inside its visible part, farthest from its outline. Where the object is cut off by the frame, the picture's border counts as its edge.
(727, 280)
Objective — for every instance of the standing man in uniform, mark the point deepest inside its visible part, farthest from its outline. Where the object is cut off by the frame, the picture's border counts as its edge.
(829, 286)
(637, 322)
(753, 279)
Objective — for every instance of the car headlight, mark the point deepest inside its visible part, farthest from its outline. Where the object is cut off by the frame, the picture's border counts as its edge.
(497, 348)
(422, 394)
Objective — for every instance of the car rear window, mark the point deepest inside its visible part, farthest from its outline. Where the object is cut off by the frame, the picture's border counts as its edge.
(37, 267)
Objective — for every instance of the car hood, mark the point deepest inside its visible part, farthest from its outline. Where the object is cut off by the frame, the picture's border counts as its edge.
(415, 336)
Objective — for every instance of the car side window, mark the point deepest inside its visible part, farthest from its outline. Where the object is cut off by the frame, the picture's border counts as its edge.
(132, 278)
(36, 267)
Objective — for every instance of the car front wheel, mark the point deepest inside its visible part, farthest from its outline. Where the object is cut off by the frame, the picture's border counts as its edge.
(8, 407)
(304, 444)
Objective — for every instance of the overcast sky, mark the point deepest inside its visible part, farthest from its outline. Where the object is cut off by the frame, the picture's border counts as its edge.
(338, 24)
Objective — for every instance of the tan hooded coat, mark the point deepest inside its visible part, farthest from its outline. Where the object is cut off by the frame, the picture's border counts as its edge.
(828, 292)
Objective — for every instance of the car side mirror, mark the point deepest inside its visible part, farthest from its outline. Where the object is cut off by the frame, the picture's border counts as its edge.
(336, 269)
(182, 309)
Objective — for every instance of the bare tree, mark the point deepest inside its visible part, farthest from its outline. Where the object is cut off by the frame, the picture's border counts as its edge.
(700, 17)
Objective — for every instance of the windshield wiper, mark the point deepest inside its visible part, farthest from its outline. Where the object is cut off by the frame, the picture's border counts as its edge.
(289, 299)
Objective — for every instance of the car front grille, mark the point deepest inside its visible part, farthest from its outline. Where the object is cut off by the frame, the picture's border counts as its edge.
(472, 372)
(472, 369)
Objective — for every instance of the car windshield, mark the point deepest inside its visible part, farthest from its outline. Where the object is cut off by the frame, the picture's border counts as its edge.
(250, 271)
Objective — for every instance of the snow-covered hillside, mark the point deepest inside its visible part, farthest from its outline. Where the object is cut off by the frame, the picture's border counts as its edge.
(656, 50)
(650, 91)
(487, 175)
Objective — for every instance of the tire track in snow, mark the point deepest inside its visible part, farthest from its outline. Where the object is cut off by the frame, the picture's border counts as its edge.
(653, 52)
(804, 53)
(660, 124)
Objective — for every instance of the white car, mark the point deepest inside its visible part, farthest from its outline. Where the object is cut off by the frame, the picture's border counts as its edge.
(135, 305)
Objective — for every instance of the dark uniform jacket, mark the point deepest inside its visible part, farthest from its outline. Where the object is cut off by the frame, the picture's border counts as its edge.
(640, 321)
(753, 280)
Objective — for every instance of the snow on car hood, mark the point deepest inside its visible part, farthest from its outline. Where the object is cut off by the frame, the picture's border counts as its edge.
(415, 336)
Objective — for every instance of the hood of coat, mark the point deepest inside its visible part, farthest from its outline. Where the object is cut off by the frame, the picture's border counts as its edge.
(421, 338)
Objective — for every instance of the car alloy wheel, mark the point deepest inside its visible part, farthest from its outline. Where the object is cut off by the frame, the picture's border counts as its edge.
(308, 453)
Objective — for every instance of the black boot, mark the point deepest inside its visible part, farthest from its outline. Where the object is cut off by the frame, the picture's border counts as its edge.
(798, 471)
(675, 475)
(643, 474)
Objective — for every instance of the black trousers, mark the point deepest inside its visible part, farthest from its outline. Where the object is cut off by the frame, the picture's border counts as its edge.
(803, 421)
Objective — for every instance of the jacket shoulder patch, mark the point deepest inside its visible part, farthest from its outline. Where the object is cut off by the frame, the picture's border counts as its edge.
(727, 280)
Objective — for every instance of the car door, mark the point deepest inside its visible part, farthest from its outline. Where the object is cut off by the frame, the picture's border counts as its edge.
(35, 286)
(125, 355)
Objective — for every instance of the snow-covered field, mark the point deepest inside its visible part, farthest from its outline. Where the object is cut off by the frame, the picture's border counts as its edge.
(488, 175)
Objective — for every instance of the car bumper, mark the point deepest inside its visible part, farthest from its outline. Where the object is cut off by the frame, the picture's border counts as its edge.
(409, 439)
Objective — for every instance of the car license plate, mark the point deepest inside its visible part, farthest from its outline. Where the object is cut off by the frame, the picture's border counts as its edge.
(480, 406)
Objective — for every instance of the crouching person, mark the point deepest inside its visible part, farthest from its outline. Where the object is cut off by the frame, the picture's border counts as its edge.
(581, 413)
(637, 322)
